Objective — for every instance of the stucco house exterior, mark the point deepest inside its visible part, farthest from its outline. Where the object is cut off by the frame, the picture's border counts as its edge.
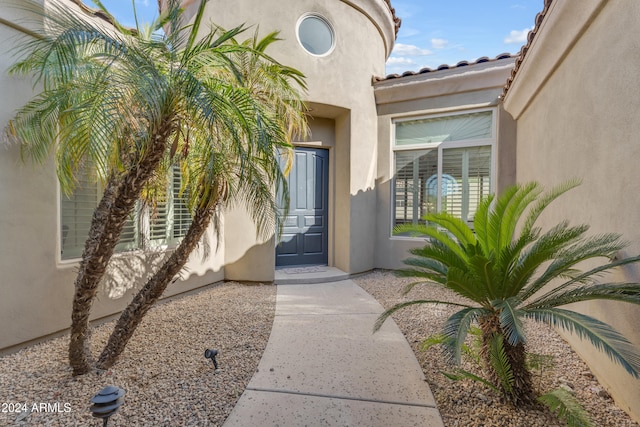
(382, 151)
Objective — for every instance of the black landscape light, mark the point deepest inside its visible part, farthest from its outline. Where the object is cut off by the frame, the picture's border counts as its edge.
(107, 402)
(211, 354)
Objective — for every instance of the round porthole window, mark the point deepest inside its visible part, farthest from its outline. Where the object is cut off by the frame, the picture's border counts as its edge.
(315, 35)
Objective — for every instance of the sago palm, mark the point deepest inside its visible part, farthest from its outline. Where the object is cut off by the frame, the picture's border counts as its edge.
(508, 270)
(121, 103)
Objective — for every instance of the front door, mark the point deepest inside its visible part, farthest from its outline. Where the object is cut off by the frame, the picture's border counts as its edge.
(304, 238)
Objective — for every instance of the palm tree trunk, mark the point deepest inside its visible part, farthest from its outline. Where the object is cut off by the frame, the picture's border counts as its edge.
(153, 289)
(522, 389)
(118, 200)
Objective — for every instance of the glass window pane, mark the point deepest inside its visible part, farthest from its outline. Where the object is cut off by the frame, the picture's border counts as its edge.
(413, 197)
(450, 128)
(467, 174)
(315, 35)
(76, 212)
(181, 214)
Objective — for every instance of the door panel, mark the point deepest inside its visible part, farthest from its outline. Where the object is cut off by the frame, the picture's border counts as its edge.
(304, 239)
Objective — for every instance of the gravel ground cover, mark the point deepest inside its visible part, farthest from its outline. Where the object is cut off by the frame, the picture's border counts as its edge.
(467, 403)
(167, 379)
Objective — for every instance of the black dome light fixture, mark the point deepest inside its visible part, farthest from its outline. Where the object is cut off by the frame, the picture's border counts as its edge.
(211, 354)
(107, 402)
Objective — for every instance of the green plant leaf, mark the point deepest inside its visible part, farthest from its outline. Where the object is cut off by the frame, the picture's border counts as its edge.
(457, 327)
(387, 313)
(566, 407)
(601, 335)
(500, 363)
(511, 320)
(461, 374)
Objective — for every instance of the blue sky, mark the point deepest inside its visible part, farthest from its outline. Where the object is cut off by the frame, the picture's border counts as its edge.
(433, 32)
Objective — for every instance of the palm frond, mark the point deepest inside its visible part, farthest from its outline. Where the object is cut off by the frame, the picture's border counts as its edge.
(546, 248)
(494, 218)
(420, 230)
(425, 268)
(436, 339)
(623, 292)
(454, 225)
(482, 269)
(465, 284)
(581, 278)
(387, 313)
(500, 363)
(439, 252)
(605, 245)
(566, 407)
(520, 201)
(602, 336)
(457, 327)
(511, 320)
(481, 223)
(542, 203)
(461, 374)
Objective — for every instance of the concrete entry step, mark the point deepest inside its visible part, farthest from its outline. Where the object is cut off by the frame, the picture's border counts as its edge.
(308, 275)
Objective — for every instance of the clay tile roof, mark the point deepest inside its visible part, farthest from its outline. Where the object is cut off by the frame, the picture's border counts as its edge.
(444, 67)
(95, 12)
(397, 21)
(523, 52)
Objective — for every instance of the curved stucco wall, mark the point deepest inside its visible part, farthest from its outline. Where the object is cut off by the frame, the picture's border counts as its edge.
(581, 120)
(339, 88)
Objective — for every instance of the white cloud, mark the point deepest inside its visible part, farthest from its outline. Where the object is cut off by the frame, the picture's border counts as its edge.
(439, 43)
(516, 36)
(394, 60)
(145, 3)
(410, 50)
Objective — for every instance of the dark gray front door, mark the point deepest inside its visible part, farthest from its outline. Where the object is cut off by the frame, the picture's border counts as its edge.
(304, 238)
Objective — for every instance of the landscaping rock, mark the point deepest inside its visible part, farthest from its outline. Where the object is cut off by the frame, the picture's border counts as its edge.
(458, 401)
(167, 379)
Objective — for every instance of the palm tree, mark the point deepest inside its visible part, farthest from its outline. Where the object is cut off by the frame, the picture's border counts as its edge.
(508, 270)
(220, 170)
(119, 102)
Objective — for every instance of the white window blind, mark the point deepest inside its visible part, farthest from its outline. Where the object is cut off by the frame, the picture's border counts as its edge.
(171, 218)
(167, 223)
(460, 127)
(449, 170)
(76, 213)
(181, 214)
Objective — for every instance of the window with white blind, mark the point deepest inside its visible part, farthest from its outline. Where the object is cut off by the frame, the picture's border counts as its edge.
(170, 219)
(442, 164)
(166, 226)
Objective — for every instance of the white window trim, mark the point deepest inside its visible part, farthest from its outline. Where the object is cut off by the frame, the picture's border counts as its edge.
(330, 27)
(440, 146)
(144, 244)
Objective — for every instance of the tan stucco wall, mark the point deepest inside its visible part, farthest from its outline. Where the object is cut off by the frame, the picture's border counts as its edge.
(339, 85)
(471, 87)
(581, 120)
(36, 289)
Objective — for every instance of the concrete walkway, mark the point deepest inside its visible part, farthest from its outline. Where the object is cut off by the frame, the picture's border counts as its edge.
(323, 366)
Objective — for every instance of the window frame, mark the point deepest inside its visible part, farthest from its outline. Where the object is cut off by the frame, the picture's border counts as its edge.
(169, 240)
(328, 25)
(440, 147)
(141, 222)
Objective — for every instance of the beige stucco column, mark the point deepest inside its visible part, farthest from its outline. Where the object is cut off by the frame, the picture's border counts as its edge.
(340, 90)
